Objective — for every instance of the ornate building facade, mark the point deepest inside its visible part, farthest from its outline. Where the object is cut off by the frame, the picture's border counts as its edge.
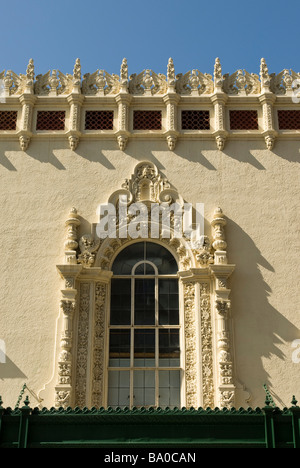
(149, 315)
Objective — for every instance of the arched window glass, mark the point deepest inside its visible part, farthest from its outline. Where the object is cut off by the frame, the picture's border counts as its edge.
(144, 329)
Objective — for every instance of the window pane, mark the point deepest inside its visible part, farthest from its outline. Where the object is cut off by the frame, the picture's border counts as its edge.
(144, 388)
(144, 302)
(144, 269)
(169, 388)
(144, 343)
(157, 254)
(127, 258)
(120, 305)
(162, 258)
(169, 347)
(119, 344)
(144, 362)
(118, 388)
(168, 301)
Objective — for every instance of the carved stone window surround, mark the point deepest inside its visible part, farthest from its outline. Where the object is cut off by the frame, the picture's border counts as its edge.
(80, 370)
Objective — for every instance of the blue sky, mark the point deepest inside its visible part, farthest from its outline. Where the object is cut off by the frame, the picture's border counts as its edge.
(147, 33)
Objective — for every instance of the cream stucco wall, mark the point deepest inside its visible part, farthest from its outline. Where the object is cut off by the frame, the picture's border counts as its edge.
(258, 191)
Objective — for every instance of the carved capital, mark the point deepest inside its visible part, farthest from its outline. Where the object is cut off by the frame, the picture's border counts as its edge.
(223, 307)
(67, 307)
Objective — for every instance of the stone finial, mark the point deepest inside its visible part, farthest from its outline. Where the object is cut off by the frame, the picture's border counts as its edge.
(30, 73)
(124, 75)
(71, 243)
(77, 72)
(264, 74)
(171, 73)
(218, 77)
(219, 242)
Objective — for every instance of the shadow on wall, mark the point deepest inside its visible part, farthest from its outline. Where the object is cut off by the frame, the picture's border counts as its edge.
(202, 152)
(9, 370)
(259, 329)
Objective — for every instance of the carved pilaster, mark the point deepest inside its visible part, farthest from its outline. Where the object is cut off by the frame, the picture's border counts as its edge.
(63, 389)
(221, 271)
(171, 100)
(123, 100)
(267, 100)
(98, 344)
(75, 101)
(191, 380)
(219, 99)
(206, 346)
(82, 345)
(225, 361)
(27, 100)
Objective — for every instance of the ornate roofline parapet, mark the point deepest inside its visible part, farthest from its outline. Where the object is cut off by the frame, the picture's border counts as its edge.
(169, 93)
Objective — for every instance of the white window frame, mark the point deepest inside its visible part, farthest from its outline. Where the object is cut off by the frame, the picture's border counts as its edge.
(132, 327)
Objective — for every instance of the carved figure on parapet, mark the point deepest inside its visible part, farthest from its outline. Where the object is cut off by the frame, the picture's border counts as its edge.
(194, 83)
(241, 82)
(147, 83)
(100, 83)
(13, 84)
(53, 83)
(285, 82)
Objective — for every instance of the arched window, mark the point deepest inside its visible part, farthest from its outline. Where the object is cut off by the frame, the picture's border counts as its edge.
(144, 329)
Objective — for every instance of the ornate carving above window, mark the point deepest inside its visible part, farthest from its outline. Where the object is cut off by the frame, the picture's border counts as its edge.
(202, 273)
